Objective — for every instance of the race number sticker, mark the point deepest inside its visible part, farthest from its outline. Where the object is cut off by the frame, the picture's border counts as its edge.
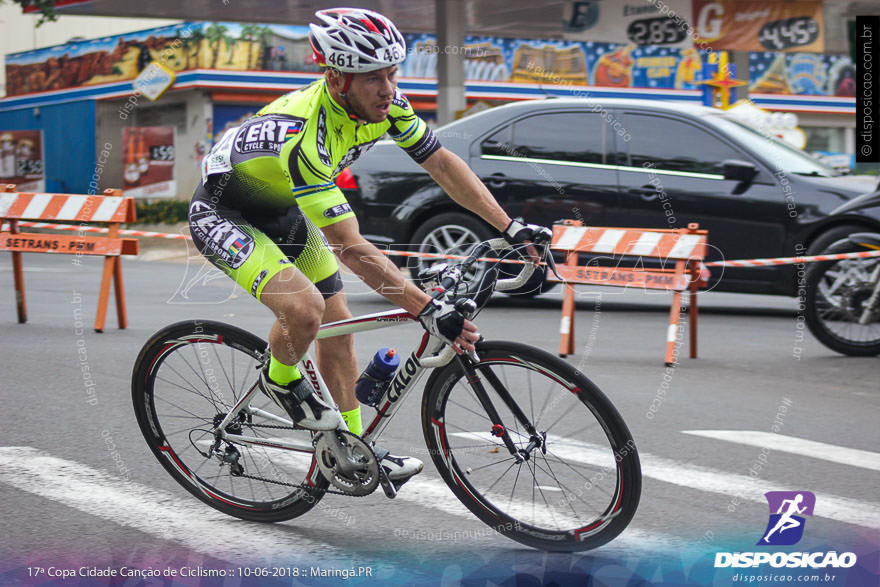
(219, 160)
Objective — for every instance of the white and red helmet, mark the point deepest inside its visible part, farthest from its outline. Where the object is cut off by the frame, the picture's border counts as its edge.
(354, 40)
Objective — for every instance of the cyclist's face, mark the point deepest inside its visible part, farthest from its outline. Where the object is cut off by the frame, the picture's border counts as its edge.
(370, 93)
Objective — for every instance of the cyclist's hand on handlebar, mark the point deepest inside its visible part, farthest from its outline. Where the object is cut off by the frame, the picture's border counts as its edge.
(443, 320)
(519, 233)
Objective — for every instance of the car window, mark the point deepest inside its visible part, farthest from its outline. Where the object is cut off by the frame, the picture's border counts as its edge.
(559, 136)
(780, 154)
(674, 145)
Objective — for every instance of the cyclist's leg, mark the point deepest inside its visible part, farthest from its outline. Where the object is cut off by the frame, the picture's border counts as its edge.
(336, 356)
(298, 308)
(255, 262)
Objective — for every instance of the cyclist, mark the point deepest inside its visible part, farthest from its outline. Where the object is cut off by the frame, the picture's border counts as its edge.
(267, 210)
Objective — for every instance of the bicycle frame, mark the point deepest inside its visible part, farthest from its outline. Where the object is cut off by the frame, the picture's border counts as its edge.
(427, 356)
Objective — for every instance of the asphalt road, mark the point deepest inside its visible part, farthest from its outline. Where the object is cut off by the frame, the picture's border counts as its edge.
(80, 489)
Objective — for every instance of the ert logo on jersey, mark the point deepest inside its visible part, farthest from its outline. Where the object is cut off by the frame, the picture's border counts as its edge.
(267, 135)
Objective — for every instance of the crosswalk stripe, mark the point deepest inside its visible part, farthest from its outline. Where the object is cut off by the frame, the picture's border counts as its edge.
(798, 446)
(205, 530)
(850, 511)
(153, 511)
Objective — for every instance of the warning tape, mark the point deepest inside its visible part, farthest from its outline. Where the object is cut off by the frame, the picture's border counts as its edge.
(99, 229)
(735, 263)
(792, 260)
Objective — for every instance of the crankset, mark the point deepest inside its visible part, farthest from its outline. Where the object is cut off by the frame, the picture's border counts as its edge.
(347, 462)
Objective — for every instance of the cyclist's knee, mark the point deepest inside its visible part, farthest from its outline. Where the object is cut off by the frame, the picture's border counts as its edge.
(302, 312)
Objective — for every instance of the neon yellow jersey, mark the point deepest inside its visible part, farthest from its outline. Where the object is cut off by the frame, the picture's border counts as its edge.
(322, 140)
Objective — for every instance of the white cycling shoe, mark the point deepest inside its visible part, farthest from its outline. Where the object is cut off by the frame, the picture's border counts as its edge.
(398, 469)
(301, 403)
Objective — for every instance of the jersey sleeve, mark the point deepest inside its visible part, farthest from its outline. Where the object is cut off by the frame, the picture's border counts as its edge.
(309, 162)
(409, 131)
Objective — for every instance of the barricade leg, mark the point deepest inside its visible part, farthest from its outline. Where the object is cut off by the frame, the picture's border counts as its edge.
(566, 326)
(693, 313)
(672, 330)
(18, 276)
(119, 292)
(104, 294)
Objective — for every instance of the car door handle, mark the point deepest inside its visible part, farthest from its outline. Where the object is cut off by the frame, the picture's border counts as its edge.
(646, 192)
(497, 180)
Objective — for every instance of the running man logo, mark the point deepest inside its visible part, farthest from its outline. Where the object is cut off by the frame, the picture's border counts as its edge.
(786, 524)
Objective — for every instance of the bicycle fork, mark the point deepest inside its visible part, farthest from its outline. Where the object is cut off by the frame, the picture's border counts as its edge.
(499, 430)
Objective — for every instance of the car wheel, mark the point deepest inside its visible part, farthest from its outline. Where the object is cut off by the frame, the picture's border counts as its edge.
(454, 234)
(448, 234)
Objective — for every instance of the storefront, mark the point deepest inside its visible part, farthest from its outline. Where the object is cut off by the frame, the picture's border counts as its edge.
(98, 131)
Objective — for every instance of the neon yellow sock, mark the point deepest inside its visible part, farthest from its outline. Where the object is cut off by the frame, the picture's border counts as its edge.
(282, 374)
(353, 421)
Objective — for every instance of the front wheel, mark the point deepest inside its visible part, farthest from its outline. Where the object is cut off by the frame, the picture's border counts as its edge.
(836, 298)
(573, 482)
(185, 381)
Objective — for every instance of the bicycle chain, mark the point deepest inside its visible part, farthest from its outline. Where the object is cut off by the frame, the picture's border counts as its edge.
(301, 485)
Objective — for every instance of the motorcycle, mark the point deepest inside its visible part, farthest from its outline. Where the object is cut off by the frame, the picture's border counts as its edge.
(842, 297)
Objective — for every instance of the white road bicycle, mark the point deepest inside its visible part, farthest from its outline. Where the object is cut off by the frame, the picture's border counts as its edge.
(526, 441)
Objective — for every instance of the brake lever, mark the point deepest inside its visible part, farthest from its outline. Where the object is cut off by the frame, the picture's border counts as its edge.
(551, 263)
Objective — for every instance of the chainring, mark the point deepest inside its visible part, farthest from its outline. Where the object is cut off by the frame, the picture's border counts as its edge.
(347, 462)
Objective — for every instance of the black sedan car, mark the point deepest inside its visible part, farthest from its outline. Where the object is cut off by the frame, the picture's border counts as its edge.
(628, 163)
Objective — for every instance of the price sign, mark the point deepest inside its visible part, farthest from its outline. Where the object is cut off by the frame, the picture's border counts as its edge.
(790, 32)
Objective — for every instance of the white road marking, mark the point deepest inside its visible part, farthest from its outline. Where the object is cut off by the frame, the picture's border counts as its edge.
(205, 530)
(155, 512)
(850, 511)
(798, 446)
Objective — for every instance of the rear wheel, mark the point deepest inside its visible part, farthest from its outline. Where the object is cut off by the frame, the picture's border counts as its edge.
(185, 381)
(578, 481)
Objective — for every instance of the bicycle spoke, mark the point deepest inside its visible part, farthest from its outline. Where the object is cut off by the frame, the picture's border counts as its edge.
(489, 489)
(191, 390)
(223, 368)
(513, 489)
(475, 469)
(181, 409)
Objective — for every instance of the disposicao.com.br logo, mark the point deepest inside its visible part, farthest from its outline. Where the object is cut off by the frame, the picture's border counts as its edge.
(785, 528)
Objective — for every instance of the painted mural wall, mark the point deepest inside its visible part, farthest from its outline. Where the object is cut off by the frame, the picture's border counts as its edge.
(242, 47)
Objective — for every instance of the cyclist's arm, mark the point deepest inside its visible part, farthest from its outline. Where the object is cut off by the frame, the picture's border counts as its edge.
(374, 268)
(463, 186)
(377, 271)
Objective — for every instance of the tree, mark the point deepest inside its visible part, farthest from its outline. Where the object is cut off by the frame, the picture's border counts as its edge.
(264, 37)
(46, 8)
(195, 36)
(249, 35)
(215, 34)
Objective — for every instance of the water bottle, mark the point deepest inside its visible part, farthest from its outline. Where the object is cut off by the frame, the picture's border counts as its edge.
(377, 376)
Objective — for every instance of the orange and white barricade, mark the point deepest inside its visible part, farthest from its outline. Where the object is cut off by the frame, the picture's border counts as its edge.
(110, 208)
(679, 252)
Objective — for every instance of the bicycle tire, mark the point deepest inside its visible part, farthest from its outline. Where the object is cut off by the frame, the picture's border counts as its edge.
(830, 308)
(459, 437)
(179, 376)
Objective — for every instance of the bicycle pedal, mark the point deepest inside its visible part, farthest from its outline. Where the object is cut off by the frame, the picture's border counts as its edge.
(388, 485)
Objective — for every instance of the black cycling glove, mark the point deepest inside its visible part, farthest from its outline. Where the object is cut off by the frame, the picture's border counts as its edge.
(442, 319)
(518, 233)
